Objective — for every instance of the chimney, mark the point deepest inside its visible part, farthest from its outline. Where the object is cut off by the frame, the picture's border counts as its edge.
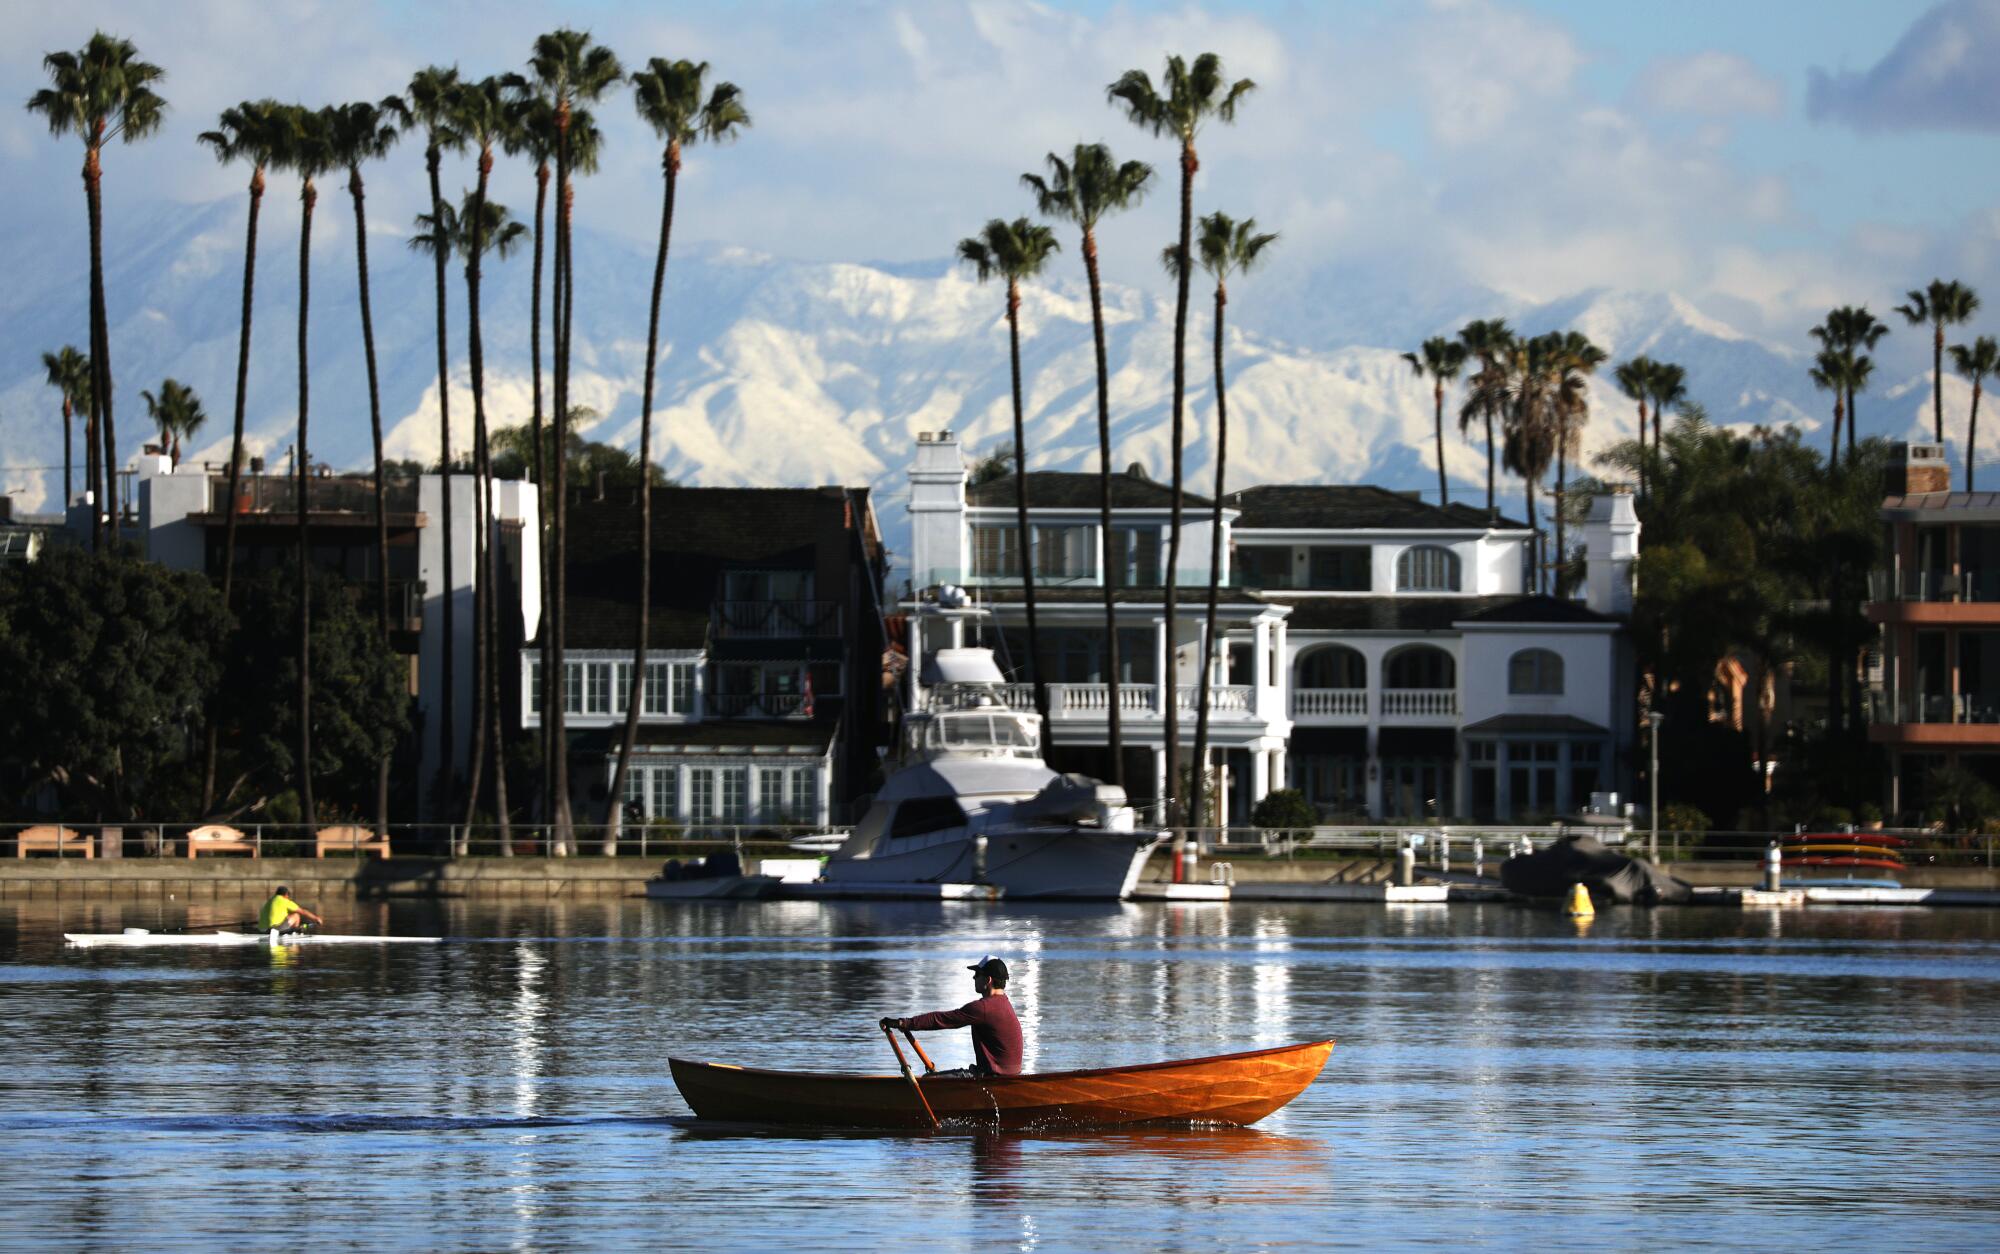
(1610, 550)
(1915, 469)
(937, 511)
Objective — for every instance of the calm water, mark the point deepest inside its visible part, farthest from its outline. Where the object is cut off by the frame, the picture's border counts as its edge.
(1676, 1076)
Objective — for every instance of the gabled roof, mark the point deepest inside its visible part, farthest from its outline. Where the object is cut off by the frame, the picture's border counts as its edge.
(1427, 613)
(1070, 489)
(1354, 507)
(697, 534)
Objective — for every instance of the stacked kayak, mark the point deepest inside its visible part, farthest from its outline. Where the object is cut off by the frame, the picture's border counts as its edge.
(138, 937)
(1844, 849)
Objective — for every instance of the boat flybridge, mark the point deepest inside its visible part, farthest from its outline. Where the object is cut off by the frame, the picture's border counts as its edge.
(972, 802)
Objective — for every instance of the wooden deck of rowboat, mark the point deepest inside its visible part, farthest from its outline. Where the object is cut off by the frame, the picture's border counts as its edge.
(1230, 1088)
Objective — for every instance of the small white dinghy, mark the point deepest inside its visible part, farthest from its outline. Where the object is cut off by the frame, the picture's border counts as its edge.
(139, 936)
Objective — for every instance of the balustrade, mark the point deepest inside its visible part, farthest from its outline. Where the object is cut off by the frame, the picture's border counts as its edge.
(1329, 702)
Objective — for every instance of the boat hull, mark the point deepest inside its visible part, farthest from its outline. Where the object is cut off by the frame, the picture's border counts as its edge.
(713, 888)
(1068, 863)
(1231, 1089)
(131, 940)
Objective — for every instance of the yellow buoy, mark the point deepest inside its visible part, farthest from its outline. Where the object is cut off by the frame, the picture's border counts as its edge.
(1579, 903)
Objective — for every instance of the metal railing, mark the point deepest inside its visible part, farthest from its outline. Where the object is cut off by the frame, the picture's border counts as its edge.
(759, 704)
(776, 620)
(1934, 707)
(278, 494)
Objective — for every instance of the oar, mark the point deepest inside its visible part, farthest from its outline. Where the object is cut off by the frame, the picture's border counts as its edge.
(201, 927)
(909, 1075)
(911, 1037)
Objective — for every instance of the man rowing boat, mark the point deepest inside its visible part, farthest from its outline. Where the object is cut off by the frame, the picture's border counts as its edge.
(282, 914)
(996, 1033)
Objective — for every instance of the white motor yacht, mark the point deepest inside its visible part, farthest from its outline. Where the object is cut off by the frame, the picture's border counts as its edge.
(974, 803)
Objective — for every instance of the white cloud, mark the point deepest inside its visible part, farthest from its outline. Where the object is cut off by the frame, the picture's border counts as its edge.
(1943, 74)
(1710, 84)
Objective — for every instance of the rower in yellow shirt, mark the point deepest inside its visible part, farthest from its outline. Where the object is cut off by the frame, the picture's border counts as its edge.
(282, 914)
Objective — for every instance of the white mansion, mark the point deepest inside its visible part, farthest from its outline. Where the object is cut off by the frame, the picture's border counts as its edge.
(1380, 654)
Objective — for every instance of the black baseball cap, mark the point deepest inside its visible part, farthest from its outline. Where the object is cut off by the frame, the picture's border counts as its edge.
(989, 965)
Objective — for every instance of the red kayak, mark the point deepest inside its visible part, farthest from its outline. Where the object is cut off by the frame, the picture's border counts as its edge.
(1229, 1088)
(1879, 863)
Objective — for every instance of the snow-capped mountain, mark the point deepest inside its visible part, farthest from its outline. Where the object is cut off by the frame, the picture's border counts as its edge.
(777, 371)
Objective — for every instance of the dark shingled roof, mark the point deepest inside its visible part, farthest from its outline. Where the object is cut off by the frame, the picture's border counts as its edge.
(1069, 489)
(1427, 613)
(1348, 507)
(697, 534)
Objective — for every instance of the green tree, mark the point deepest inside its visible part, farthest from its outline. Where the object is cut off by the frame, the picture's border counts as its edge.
(177, 412)
(567, 68)
(1977, 362)
(122, 655)
(431, 97)
(1829, 373)
(1489, 341)
(1942, 304)
(1091, 185)
(674, 100)
(68, 372)
(1669, 382)
(100, 92)
(586, 461)
(1577, 359)
(1440, 360)
(1227, 247)
(1188, 95)
(1635, 380)
(1016, 251)
(1852, 331)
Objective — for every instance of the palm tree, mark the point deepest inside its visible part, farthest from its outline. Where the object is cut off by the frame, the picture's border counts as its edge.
(1942, 305)
(310, 154)
(1226, 248)
(1082, 190)
(177, 412)
(1635, 379)
(481, 114)
(1489, 340)
(1524, 385)
(671, 100)
(362, 132)
(1669, 390)
(532, 133)
(101, 92)
(567, 68)
(1441, 361)
(69, 374)
(1187, 97)
(1015, 251)
(1829, 373)
(1852, 331)
(1976, 362)
(431, 92)
(1577, 360)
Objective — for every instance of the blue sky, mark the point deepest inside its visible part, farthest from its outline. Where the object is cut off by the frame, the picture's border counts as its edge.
(1535, 148)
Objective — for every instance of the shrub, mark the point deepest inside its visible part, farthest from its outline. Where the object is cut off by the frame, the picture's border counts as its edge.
(1284, 807)
(1683, 818)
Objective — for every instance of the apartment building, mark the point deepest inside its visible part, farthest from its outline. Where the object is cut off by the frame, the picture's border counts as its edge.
(1380, 654)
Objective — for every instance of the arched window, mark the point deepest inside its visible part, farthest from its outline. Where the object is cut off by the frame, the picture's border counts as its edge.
(1427, 568)
(1535, 671)
(1419, 666)
(1334, 666)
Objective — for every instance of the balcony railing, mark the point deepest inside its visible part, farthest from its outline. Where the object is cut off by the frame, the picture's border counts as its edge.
(1329, 703)
(756, 705)
(1223, 699)
(1933, 707)
(279, 494)
(1931, 585)
(776, 620)
(1422, 702)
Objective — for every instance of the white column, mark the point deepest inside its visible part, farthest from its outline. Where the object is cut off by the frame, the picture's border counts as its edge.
(1260, 671)
(1222, 788)
(1278, 768)
(825, 809)
(1163, 677)
(1260, 775)
(1159, 773)
(916, 662)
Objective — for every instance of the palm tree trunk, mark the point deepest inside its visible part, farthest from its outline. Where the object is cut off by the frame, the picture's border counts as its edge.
(354, 189)
(1114, 730)
(1444, 493)
(1534, 535)
(236, 449)
(1937, 379)
(1562, 480)
(1853, 420)
(307, 812)
(1971, 434)
(1171, 716)
(1196, 815)
(1491, 507)
(67, 416)
(565, 278)
(635, 695)
(542, 519)
(100, 348)
(482, 508)
(1642, 448)
(1024, 538)
(447, 772)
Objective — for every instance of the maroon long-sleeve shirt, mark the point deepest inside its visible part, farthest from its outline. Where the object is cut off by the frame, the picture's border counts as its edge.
(996, 1033)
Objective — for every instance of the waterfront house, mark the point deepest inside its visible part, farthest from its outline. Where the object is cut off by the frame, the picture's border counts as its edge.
(763, 696)
(1378, 653)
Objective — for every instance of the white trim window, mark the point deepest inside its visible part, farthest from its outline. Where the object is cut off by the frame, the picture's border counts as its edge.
(996, 551)
(1537, 672)
(1427, 568)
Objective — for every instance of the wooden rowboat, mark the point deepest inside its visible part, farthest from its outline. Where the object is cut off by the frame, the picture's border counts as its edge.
(1230, 1088)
